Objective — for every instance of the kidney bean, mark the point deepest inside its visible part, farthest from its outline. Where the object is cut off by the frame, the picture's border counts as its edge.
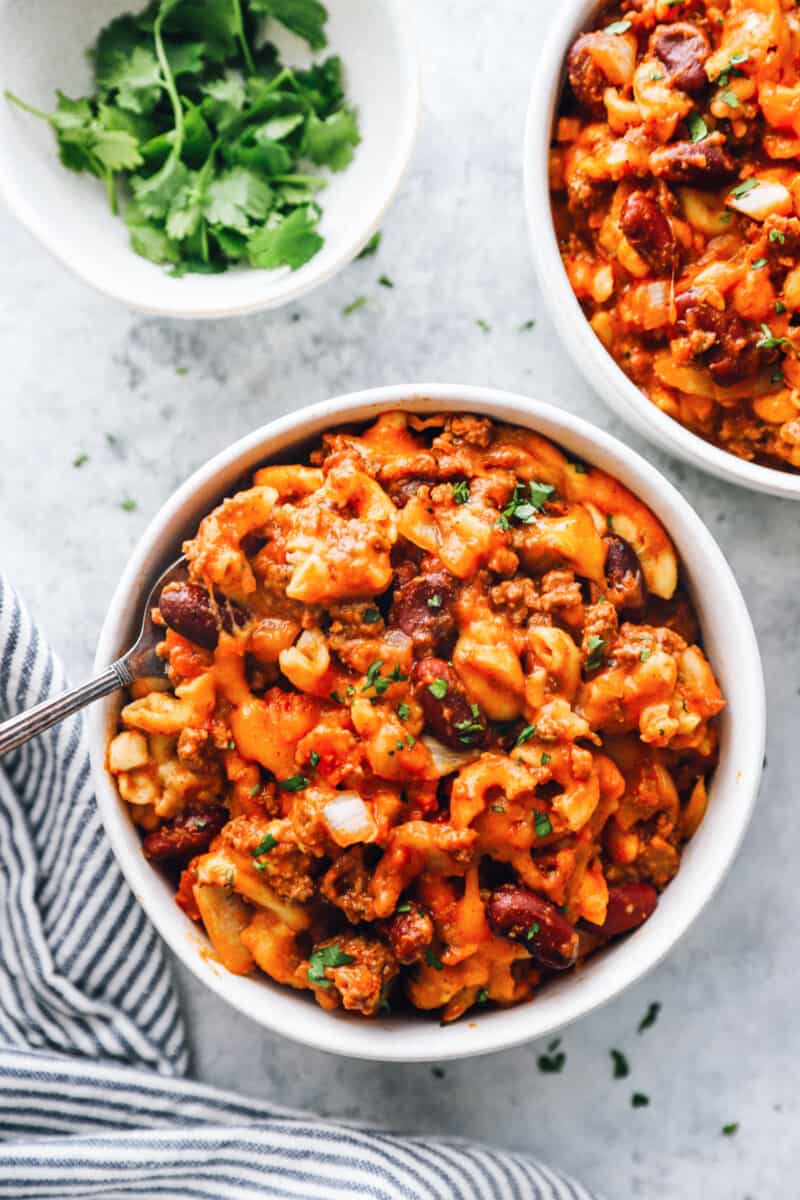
(704, 164)
(729, 349)
(586, 79)
(449, 717)
(683, 50)
(421, 607)
(649, 232)
(517, 913)
(626, 587)
(187, 608)
(402, 490)
(629, 906)
(189, 834)
(410, 934)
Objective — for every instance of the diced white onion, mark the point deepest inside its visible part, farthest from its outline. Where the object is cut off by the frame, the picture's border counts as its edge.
(349, 820)
(762, 201)
(445, 760)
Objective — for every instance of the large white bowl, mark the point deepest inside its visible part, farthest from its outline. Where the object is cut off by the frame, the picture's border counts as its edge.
(587, 351)
(730, 644)
(43, 47)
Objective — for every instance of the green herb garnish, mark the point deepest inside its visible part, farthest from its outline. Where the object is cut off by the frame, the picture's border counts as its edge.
(594, 652)
(469, 728)
(645, 654)
(438, 688)
(326, 956)
(482, 996)
(551, 1064)
(639, 1100)
(743, 188)
(354, 305)
(731, 99)
(128, 505)
(267, 843)
(758, 264)
(730, 1129)
(775, 235)
(618, 27)
(541, 821)
(621, 1068)
(80, 459)
(371, 246)
(385, 281)
(433, 961)
(313, 759)
(768, 342)
(371, 615)
(650, 1017)
(295, 783)
(483, 325)
(434, 601)
(461, 491)
(403, 712)
(524, 736)
(525, 503)
(698, 130)
(194, 117)
(532, 932)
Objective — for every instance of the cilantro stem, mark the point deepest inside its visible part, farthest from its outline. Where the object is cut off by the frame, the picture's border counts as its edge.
(169, 80)
(111, 191)
(241, 37)
(36, 112)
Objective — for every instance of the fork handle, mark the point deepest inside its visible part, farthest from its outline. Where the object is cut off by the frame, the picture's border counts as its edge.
(25, 725)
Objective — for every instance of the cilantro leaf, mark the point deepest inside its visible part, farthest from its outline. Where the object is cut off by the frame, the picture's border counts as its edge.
(326, 956)
(135, 78)
(289, 242)
(155, 193)
(306, 18)
(224, 99)
(149, 239)
(330, 142)
(237, 198)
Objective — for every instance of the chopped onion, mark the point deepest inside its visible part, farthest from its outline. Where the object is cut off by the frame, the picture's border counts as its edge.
(445, 760)
(349, 820)
(762, 200)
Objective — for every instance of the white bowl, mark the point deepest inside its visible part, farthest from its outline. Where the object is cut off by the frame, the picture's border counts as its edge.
(586, 349)
(731, 647)
(43, 47)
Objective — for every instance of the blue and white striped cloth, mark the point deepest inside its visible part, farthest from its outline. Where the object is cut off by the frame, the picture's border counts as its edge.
(92, 1042)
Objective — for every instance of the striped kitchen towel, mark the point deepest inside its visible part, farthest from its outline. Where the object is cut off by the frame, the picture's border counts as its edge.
(93, 1103)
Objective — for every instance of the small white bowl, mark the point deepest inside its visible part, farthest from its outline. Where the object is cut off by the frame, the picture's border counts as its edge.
(43, 47)
(586, 349)
(730, 644)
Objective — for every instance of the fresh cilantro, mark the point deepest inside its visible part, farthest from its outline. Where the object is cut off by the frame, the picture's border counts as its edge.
(482, 997)
(434, 601)
(313, 759)
(743, 188)
(438, 688)
(525, 503)
(655, 75)
(621, 1068)
(618, 27)
(731, 99)
(403, 712)
(195, 115)
(80, 459)
(469, 729)
(768, 342)
(373, 674)
(433, 961)
(780, 307)
(267, 843)
(551, 1064)
(698, 130)
(541, 821)
(483, 325)
(732, 68)
(255, 789)
(594, 652)
(645, 654)
(639, 1100)
(545, 759)
(354, 305)
(498, 808)
(403, 908)
(128, 505)
(776, 377)
(775, 235)
(524, 736)
(758, 264)
(326, 956)
(371, 246)
(461, 491)
(650, 1017)
(385, 281)
(532, 932)
(295, 783)
(730, 1129)
(371, 616)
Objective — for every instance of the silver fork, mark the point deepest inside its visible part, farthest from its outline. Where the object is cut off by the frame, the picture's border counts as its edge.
(139, 661)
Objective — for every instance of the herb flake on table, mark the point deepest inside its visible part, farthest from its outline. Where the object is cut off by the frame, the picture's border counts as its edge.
(128, 505)
(355, 305)
(80, 459)
(639, 1100)
(385, 281)
(730, 1129)
(208, 143)
(620, 1064)
(554, 1061)
(371, 246)
(650, 1017)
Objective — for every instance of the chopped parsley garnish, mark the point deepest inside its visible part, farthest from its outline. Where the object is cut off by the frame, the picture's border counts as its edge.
(403, 908)
(621, 1068)
(526, 503)
(580, 468)
(731, 99)
(255, 789)
(313, 759)
(482, 996)
(609, 521)
(524, 736)
(639, 1100)
(526, 325)
(618, 27)
(532, 932)
(698, 130)
(337, 699)
(267, 843)
(758, 264)
(780, 307)
(650, 1017)
(434, 601)
(730, 1129)
(498, 808)
(433, 961)
(128, 505)
(403, 712)
(643, 657)
(551, 1064)
(595, 649)
(350, 690)
(732, 68)
(743, 188)
(295, 783)
(385, 281)
(193, 117)
(373, 674)
(80, 459)
(468, 728)
(655, 75)
(461, 491)
(371, 616)
(438, 688)
(326, 956)
(371, 246)
(355, 305)
(541, 823)
(483, 325)
(768, 342)
(776, 377)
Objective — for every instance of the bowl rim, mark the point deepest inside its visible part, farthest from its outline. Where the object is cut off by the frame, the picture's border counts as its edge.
(641, 951)
(584, 347)
(292, 288)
